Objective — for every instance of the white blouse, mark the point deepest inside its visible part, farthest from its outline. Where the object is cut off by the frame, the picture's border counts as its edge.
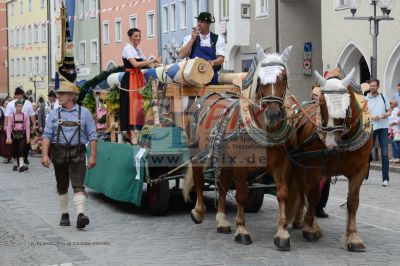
(132, 52)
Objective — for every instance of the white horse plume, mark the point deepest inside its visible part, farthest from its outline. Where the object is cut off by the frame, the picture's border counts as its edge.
(269, 74)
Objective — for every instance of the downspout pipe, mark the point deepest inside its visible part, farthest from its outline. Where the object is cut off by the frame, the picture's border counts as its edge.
(277, 43)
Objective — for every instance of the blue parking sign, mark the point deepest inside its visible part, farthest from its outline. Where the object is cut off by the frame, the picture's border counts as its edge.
(307, 47)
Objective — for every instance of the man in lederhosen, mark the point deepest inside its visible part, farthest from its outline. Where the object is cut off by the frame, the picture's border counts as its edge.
(68, 129)
(205, 44)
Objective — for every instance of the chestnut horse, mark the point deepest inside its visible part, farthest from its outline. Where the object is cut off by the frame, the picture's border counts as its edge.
(243, 137)
(340, 133)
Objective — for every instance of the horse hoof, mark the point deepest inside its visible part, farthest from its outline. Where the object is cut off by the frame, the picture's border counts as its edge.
(311, 237)
(194, 218)
(224, 229)
(282, 244)
(243, 239)
(356, 247)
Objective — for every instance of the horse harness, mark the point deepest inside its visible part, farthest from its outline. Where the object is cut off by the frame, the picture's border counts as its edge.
(362, 123)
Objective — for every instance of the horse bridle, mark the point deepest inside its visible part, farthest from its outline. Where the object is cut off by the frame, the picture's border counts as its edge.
(342, 129)
(272, 98)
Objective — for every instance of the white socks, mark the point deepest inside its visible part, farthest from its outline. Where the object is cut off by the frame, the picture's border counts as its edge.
(63, 203)
(79, 199)
(21, 162)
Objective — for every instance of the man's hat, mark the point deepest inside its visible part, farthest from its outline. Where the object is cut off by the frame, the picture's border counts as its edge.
(19, 91)
(66, 86)
(205, 16)
(52, 94)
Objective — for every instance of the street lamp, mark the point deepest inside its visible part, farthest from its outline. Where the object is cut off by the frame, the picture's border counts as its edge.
(386, 6)
(35, 78)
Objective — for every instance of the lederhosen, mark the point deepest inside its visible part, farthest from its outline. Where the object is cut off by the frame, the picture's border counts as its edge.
(69, 160)
(19, 138)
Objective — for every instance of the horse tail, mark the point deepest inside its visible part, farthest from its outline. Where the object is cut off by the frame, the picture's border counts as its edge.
(188, 183)
(295, 202)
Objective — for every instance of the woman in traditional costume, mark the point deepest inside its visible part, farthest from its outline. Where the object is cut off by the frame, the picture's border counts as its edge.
(131, 101)
(5, 149)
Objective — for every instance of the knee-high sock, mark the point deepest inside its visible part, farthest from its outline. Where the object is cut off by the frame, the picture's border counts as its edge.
(63, 203)
(79, 199)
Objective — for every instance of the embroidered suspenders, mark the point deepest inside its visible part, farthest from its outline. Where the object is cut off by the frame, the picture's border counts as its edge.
(61, 123)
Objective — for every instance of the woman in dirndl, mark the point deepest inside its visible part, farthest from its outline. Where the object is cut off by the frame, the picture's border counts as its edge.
(131, 101)
(5, 149)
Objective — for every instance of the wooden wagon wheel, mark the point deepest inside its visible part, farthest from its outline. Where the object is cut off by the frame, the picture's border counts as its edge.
(158, 197)
(255, 200)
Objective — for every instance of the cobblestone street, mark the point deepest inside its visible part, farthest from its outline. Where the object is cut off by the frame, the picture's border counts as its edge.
(122, 234)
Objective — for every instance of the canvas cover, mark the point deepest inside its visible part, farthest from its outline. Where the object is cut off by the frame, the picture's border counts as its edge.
(115, 172)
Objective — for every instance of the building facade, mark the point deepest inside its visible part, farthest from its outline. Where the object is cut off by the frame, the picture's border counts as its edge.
(116, 18)
(349, 43)
(274, 24)
(86, 38)
(3, 50)
(177, 18)
(28, 51)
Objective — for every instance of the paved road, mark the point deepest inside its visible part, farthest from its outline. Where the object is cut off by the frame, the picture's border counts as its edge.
(122, 234)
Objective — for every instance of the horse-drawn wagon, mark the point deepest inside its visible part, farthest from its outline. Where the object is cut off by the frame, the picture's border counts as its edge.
(163, 154)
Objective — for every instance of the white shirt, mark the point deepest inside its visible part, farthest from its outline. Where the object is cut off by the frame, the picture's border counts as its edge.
(205, 41)
(132, 52)
(394, 118)
(26, 109)
(378, 107)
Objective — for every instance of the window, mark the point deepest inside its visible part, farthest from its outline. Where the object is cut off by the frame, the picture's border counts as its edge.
(173, 17)
(196, 11)
(94, 56)
(17, 37)
(29, 34)
(11, 38)
(23, 67)
(30, 5)
(11, 67)
(12, 9)
(44, 32)
(224, 8)
(21, 7)
(132, 21)
(106, 33)
(44, 64)
(150, 24)
(23, 36)
(17, 64)
(36, 69)
(82, 53)
(118, 30)
(93, 8)
(183, 14)
(165, 18)
(81, 9)
(262, 8)
(35, 33)
(41, 3)
(30, 66)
